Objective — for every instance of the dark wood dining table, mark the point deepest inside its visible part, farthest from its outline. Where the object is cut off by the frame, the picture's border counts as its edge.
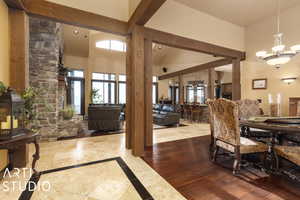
(277, 128)
(274, 128)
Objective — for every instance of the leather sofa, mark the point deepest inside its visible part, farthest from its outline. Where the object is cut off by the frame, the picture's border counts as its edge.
(166, 115)
(104, 117)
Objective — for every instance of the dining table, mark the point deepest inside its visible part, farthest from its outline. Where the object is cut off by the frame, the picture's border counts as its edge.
(275, 128)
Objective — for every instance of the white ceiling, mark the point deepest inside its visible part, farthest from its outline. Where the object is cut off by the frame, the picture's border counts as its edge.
(225, 68)
(240, 12)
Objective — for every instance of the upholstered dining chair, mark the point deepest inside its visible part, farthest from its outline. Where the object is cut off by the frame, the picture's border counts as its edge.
(250, 108)
(226, 132)
(291, 153)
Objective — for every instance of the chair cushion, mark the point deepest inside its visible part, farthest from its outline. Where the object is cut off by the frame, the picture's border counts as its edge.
(247, 146)
(291, 153)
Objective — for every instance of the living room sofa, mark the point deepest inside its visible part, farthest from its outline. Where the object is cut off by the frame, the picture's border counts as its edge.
(166, 114)
(103, 117)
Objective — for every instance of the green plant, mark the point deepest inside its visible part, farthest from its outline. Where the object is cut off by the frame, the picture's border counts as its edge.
(3, 88)
(95, 97)
(68, 112)
(30, 96)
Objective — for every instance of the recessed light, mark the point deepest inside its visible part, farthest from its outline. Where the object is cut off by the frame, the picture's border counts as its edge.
(75, 32)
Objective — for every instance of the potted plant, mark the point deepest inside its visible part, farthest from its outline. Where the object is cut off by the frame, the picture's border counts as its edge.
(68, 112)
(3, 88)
(95, 97)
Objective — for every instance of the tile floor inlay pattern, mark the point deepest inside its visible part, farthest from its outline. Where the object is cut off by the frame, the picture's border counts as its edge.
(60, 154)
(88, 184)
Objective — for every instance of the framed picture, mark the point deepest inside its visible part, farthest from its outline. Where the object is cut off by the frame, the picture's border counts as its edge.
(259, 84)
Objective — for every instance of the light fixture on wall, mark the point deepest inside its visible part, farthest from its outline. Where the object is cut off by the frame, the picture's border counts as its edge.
(289, 80)
(279, 55)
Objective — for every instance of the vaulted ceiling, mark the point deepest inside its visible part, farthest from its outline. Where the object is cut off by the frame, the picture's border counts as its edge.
(240, 12)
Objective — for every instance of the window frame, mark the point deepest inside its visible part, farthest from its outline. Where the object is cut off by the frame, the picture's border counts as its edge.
(121, 82)
(109, 86)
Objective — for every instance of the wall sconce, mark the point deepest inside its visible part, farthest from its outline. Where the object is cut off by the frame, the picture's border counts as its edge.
(288, 80)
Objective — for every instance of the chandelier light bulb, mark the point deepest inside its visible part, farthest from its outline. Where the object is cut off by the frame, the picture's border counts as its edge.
(261, 54)
(278, 48)
(296, 48)
(277, 61)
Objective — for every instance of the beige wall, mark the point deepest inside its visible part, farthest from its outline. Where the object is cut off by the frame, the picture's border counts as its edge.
(179, 19)
(4, 60)
(117, 9)
(260, 37)
(177, 59)
(99, 60)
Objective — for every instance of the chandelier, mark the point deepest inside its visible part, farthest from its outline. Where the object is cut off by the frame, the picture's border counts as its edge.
(279, 55)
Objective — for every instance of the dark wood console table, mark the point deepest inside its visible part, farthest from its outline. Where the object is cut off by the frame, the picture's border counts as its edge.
(15, 142)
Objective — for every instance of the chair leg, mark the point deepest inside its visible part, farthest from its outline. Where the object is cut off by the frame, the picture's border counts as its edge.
(237, 162)
(215, 153)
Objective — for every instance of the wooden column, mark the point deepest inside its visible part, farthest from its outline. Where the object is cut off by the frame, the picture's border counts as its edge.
(181, 90)
(19, 49)
(19, 69)
(211, 84)
(148, 93)
(236, 79)
(129, 90)
(137, 75)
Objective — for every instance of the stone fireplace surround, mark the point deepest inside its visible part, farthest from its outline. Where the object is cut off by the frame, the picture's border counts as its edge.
(45, 44)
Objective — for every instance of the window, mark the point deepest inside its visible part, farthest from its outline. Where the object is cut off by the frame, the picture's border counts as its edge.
(122, 89)
(76, 73)
(201, 94)
(102, 76)
(105, 87)
(122, 78)
(114, 45)
(195, 94)
(155, 90)
(75, 91)
(174, 94)
(190, 95)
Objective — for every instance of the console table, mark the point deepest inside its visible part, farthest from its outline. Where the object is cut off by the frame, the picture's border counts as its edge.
(17, 141)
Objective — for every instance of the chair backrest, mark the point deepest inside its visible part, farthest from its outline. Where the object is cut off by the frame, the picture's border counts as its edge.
(224, 120)
(248, 108)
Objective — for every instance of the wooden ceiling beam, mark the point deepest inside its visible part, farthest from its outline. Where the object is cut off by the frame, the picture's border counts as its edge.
(197, 68)
(17, 4)
(76, 17)
(143, 13)
(191, 44)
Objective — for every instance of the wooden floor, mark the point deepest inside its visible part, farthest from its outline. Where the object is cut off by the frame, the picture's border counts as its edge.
(186, 166)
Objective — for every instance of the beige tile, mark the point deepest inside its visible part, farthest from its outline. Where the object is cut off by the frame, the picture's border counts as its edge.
(107, 178)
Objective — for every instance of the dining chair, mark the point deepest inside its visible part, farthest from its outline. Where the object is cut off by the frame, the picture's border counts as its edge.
(187, 112)
(291, 153)
(248, 108)
(226, 132)
(196, 113)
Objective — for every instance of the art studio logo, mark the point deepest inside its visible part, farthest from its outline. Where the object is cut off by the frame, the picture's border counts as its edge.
(16, 180)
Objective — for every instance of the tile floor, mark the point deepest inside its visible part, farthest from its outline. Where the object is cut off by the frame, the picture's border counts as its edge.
(95, 182)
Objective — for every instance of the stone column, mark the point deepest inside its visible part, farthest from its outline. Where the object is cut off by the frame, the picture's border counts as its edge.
(44, 45)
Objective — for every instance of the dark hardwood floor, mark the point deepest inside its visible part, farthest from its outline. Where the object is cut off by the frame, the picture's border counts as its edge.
(185, 165)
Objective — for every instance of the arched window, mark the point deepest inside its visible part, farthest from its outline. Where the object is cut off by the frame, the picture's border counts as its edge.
(113, 45)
